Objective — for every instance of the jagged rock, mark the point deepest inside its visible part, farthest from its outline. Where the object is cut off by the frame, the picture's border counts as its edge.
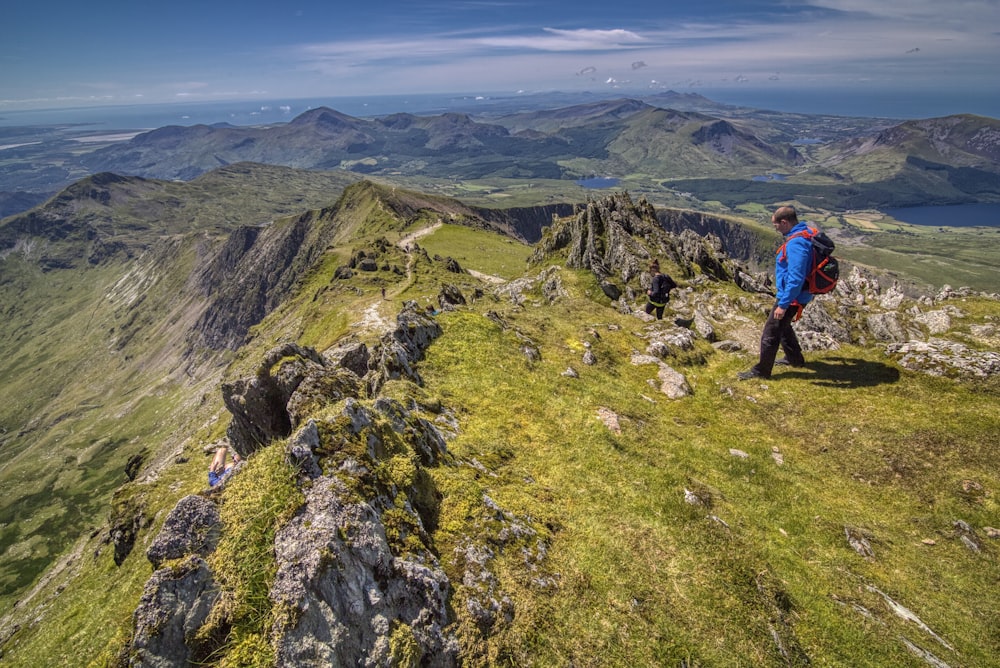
(450, 296)
(892, 297)
(301, 447)
(496, 319)
(343, 589)
(133, 465)
(610, 419)
(259, 405)
(420, 434)
(858, 540)
(983, 331)
(570, 372)
(859, 286)
(250, 275)
(452, 265)
(514, 290)
(816, 318)
(367, 264)
(612, 291)
(175, 603)
(672, 383)
(810, 340)
(395, 354)
(939, 357)
(342, 273)
(703, 326)
(552, 287)
(886, 327)
(603, 238)
(128, 517)
(968, 536)
(321, 386)
(936, 322)
(352, 356)
(705, 252)
(588, 358)
(664, 343)
(191, 528)
(489, 607)
(728, 346)
(531, 353)
(760, 283)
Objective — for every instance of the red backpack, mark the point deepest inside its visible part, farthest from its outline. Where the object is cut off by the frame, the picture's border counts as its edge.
(824, 270)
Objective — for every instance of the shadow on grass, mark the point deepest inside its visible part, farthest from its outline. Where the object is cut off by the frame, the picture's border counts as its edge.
(846, 373)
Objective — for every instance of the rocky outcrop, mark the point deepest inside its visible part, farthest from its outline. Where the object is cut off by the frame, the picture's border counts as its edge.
(175, 604)
(354, 573)
(358, 580)
(191, 528)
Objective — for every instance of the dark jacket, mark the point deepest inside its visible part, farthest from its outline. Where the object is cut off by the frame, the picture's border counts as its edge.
(660, 289)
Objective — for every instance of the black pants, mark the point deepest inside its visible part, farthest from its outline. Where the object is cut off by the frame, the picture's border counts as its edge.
(778, 333)
(650, 306)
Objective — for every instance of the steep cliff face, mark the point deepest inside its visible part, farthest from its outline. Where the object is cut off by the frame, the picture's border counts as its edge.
(252, 273)
(738, 241)
(527, 222)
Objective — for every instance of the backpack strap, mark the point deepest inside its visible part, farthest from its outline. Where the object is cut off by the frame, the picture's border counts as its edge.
(808, 233)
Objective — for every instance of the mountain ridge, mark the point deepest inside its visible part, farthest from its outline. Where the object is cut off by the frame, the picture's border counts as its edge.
(495, 386)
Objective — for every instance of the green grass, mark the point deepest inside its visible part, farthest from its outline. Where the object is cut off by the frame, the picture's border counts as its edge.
(646, 579)
(477, 250)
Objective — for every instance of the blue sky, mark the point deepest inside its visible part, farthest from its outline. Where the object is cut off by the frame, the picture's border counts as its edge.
(56, 54)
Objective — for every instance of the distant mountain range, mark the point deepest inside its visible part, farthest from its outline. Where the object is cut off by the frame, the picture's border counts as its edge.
(668, 143)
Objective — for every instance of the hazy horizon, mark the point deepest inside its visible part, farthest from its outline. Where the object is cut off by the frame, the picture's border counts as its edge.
(265, 111)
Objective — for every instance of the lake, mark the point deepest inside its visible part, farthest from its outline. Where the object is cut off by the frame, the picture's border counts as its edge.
(598, 182)
(955, 215)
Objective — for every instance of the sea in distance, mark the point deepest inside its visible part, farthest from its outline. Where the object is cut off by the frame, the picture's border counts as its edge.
(955, 215)
(872, 104)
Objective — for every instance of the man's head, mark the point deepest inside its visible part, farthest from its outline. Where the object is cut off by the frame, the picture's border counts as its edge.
(784, 219)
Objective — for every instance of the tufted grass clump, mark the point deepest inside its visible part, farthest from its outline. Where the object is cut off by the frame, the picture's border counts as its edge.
(255, 504)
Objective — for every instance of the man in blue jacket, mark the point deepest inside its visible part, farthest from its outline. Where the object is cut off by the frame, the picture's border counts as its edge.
(791, 266)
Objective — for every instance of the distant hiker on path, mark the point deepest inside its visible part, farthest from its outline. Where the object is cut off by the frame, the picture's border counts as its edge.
(791, 266)
(658, 293)
(218, 469)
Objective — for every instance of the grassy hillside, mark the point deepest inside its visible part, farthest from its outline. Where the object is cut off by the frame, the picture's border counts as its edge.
(712, 530)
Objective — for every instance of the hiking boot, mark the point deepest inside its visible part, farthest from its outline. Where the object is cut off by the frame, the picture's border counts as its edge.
(748, 375)
(784, 361)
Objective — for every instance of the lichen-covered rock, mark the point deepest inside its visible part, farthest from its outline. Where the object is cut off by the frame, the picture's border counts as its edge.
(449, 297)
(886, 327)
(940, 357)
(191, 528)
(672, 383)
(395, 355)
(342, 589)
(175, 603)
(259, 405)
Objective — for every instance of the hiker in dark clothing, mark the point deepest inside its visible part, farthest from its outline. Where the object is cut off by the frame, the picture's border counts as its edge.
(790, 269)
(658, 293)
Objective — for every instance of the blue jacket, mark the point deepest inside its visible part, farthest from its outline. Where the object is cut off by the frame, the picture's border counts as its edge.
(791, 266)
